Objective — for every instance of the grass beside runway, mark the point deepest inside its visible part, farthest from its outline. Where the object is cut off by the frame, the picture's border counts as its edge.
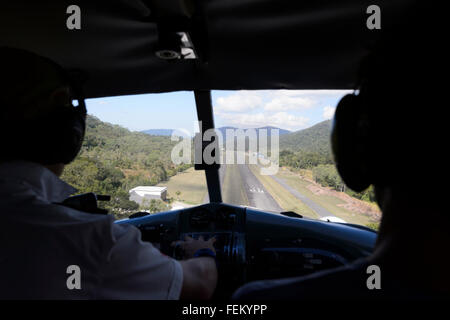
(190, 183)
(326, 201)
(283, 197)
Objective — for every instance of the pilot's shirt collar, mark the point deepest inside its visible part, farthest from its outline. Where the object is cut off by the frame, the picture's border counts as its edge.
(41, 180)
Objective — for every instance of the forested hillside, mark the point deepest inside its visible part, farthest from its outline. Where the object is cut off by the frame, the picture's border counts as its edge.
(310, 150)
(314, 139)
(114, 160)
(307, 148)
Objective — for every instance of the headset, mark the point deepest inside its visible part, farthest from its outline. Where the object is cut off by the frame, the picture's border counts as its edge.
(51, 137)
(350, 138)
(61, 131)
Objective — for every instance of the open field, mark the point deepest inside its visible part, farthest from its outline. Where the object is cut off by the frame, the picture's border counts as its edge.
(190, 183)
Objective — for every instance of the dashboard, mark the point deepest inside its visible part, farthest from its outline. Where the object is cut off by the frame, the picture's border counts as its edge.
(253, 245)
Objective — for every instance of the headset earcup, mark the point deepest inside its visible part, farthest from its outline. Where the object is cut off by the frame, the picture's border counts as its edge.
(68, 130)
(72, 136)
(54, 138)
(347, 146)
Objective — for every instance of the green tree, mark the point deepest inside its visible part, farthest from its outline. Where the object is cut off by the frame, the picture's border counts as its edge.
(114, 160)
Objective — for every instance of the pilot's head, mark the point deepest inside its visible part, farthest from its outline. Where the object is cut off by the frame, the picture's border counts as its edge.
(38, 121)
(390, 133)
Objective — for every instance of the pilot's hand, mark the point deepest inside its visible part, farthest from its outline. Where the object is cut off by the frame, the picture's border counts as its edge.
(190, 245)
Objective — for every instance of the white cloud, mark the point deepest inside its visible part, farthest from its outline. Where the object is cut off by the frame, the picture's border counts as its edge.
(287, 109)
(274, 100)
(328, 112)
(283, 103)
(315, 93)
(282, 120)
(239, 102)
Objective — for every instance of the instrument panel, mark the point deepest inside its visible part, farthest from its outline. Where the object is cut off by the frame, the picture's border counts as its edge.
(230, 246)
(253, 244)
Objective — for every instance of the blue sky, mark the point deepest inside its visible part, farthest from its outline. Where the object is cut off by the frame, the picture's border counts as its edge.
(287, 109)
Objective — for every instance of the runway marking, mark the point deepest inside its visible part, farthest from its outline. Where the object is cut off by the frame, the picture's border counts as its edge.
(256, 190)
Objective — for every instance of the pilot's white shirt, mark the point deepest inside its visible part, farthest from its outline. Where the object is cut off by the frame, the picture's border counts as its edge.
(40, 240)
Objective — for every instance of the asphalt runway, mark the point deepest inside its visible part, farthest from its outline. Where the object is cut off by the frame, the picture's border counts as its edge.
(241, 187)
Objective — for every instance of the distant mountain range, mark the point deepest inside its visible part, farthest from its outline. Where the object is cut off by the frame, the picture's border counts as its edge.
(268, 128)
(312, 139)
(159, 132)
(168, 132)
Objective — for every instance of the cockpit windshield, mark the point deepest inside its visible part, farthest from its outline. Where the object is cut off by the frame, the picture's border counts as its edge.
(274, 149)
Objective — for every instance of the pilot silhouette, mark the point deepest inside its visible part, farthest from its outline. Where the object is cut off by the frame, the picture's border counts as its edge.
(391, 134)
(43, 242)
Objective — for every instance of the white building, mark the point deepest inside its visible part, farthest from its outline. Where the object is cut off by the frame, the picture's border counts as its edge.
(333, 219)
(141, 193)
